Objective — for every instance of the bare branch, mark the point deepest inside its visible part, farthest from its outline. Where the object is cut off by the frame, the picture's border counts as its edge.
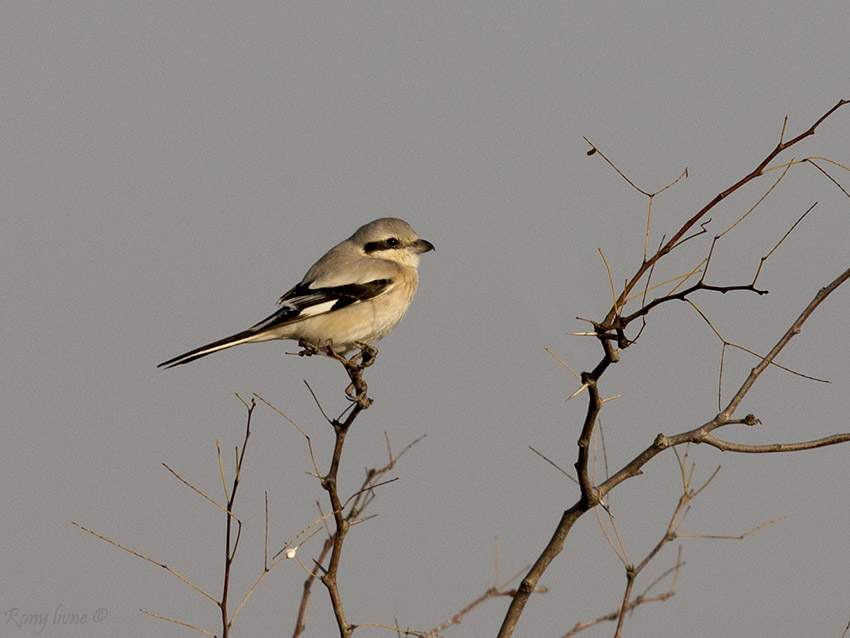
(297, 427)
(699, 435)
(794, 330)
(492, 592)
(150, 560)
(772, 448)
(561, 361)
(811, 160)
(699, 215)
(198, 491)
(177, 622)
(771, 251)
(641, 599)
(732, 538)
(553, 464)
(610, 333)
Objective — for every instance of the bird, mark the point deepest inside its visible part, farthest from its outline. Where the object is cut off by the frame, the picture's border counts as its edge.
(353, 296)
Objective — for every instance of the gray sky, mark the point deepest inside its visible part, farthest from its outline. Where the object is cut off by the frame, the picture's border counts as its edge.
(169, 169)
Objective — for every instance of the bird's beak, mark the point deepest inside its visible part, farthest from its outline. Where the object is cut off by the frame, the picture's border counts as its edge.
(421, 246)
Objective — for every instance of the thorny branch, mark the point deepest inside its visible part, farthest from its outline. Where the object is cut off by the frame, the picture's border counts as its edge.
(671, 533)
(610, 333)
(356, 392)
(671, 243)
(356, 505)
(343, 520)
(232, 536)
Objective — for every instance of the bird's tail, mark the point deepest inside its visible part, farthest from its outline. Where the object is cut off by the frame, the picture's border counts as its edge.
(245, 336)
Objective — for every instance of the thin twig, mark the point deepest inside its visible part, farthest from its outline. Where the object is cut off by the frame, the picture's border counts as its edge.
(150, 560)
(177, 622)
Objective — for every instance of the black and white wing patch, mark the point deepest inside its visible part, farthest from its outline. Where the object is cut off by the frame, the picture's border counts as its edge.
(302, 301)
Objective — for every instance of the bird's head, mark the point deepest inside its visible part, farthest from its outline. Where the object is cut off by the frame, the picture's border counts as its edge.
(391, 238)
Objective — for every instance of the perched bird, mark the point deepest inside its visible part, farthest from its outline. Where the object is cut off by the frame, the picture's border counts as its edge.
(356, 293)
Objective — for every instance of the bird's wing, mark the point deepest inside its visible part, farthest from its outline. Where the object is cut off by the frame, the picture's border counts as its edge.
(302, 301)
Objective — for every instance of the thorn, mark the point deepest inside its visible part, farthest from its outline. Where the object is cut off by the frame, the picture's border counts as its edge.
(577, 392)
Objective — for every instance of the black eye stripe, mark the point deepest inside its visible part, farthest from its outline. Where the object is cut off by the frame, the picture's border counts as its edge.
(386, 244)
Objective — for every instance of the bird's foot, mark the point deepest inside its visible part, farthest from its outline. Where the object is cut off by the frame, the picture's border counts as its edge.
(324, 347)
(366, 355)
(307, 349)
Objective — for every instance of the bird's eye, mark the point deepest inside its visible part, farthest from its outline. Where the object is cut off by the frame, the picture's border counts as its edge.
(392, 241)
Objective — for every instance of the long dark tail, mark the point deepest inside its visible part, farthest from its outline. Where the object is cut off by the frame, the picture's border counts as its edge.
(228, 342)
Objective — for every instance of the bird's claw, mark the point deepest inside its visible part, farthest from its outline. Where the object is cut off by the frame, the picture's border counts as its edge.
(367, 354)
(309, 349)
